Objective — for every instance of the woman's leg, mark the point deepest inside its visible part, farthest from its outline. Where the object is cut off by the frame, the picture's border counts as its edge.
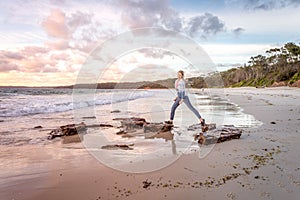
(190, 106)
(174, 106)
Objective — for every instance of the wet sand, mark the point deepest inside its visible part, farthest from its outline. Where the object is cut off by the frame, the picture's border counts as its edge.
(263, 164)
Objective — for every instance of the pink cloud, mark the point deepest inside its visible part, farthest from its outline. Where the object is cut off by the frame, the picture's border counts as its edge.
(58, 45)
(6, 66)
(33, 50)
(35, 65)
(55, 24)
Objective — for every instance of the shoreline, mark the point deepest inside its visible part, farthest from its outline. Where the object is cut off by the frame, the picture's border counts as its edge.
(276, 178)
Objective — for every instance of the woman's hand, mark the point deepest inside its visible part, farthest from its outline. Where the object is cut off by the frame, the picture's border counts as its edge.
(175, 99)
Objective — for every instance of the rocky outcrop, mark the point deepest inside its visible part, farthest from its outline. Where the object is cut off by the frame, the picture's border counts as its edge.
(135, 126)
(68, 130)
(296, 84)
(279, 84)
(225, 133)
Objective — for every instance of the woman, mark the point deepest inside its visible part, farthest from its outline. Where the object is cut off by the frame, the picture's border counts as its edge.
(181, 97)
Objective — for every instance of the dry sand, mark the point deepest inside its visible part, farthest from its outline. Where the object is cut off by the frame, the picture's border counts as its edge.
(263, 164)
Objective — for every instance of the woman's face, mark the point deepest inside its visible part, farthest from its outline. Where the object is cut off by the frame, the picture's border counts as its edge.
(179, 75)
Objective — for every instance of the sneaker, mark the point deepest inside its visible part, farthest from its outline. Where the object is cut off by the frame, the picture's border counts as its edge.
(169, 122)
(203, 122)
(204, 128)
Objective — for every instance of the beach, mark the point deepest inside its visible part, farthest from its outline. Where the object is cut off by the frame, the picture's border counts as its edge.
(263, 164)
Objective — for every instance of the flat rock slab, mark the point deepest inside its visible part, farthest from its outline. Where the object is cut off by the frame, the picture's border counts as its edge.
(135, 126)
(225, 133)
(118, 146)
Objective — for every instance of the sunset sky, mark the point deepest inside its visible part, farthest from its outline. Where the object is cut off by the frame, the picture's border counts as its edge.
(45, 43)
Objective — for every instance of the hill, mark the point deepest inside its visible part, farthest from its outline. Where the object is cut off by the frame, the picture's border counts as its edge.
(279, 66)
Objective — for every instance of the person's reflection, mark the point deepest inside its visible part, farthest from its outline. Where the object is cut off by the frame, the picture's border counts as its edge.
(173, 147)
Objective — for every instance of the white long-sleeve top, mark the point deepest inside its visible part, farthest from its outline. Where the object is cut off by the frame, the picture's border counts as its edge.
(180, 85)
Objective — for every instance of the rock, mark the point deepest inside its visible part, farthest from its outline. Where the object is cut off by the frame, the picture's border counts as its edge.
(106, 125)
(91, 117)
(115, 111)
(131, 123)
(272, 122)
(146, 183)
(121, 132)
(279, 84)
(118, 146)
(36, 127)
(156, 127)
(68, 130)
(222, 134)
(72, 139)
(296, 84)
(167, 135)
(134, 126)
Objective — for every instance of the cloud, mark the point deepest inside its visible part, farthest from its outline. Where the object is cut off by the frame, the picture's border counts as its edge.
(55, 24)
(6, 66)
(33, 59)
(159, 13)
(205, 25)
(238, 31)
(33, 51)
(78, 19)
(149, 72)
(155, 53)
(145, 13)
(150, 13)
(265, 4)
(58, 44)
(11, 55)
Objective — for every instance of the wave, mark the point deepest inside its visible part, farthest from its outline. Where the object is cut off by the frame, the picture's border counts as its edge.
(21, 105)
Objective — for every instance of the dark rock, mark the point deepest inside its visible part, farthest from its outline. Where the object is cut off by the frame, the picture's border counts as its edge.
(222, 134)
(106, 125)
(272, 122)
(72, 139)
(146, 183)
(118, 146)
(36, 127)
(121, 132)
(156, 127)
(91, 117)
(115, 111)
(68, 130)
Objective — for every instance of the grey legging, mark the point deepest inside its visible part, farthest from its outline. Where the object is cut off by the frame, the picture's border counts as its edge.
(186, 100)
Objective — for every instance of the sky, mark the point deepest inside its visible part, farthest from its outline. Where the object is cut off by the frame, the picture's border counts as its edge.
(47, 42)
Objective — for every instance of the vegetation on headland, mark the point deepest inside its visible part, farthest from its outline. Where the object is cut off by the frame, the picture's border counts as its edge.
(279, 66)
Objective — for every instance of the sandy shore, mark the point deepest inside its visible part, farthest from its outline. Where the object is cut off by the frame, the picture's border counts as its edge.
(263, 164)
